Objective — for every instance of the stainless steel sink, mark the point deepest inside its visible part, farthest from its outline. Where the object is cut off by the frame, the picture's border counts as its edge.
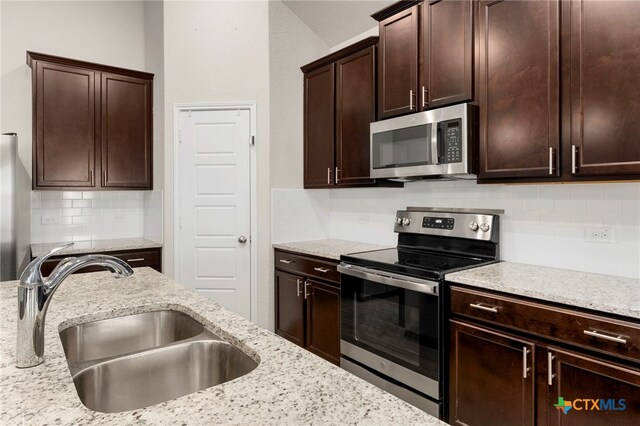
(135, 361)
(123, 335)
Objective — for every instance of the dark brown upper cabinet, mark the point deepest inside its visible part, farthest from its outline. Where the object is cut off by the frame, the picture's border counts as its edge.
(604, 88)
(92, 125)
(426, 55)
(518, 89)
(339, 105)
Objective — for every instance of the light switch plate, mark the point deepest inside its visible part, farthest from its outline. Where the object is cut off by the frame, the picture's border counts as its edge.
(49, 220)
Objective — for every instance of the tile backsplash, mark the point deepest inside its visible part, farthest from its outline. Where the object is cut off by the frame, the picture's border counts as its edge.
(542, 224)
(94, 215)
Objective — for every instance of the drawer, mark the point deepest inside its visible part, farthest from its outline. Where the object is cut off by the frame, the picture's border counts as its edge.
(595, 332)
(135, 258)
(310, 266)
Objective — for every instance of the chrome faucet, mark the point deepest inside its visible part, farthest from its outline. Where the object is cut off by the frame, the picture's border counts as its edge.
(34, 295)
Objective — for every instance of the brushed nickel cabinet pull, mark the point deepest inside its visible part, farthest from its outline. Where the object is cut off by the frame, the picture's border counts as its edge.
(137, 259)
(328, 175)
(425, 97)
(285, 261)
(550, 375)
(323, 270)
(574, 159)
(337, 171)
(306, 295)
(91, 177)
(551, 152)
(484, 308)
(298, 282)
(595, 333)
(525, 369)
(104, 177)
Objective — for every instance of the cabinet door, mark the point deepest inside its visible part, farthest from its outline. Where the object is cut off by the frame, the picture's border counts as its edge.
(323, 320)
(446, 62)
(126, 132)
(64, 126)
(319, 128)
(355, 110)
(518, 88)
(605, 87)
(492, 378)
(398, 64)
(290, 307)
(576, 378)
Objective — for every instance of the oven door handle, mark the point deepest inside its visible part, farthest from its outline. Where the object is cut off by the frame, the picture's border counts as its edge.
(413, 284)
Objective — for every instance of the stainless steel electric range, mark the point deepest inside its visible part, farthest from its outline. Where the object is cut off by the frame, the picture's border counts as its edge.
(392, 324)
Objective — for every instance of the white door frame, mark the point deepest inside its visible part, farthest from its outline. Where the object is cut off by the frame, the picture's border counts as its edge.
(177, 232)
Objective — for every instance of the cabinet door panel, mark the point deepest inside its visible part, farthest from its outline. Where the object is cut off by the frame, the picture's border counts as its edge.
(64, 126)
(487, 383)
(290, 307)
(518, 88)
(398, 64)
(355, 110)
(319, 128)
(323, 320)
(447, 53)
(580, 377)
(126, 132)
(605, 87)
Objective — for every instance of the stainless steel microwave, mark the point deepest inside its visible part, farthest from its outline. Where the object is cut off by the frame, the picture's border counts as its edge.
(435, 143)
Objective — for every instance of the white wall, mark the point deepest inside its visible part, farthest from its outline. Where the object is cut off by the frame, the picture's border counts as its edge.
(219, 52)
(109, 32)
(542, 224)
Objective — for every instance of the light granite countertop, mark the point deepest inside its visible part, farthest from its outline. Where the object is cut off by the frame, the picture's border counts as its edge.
(604, 293)
(328, 248)
(289, 387)
(80, 247)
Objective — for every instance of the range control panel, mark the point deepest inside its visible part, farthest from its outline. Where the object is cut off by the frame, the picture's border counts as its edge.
(438, 222)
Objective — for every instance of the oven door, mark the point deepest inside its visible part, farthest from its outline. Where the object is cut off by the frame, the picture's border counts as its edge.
(391, 324)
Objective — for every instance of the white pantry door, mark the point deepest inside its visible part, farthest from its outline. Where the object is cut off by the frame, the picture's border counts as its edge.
(214, 211)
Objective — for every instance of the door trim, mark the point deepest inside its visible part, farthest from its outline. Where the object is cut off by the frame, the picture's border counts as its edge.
(253, 184)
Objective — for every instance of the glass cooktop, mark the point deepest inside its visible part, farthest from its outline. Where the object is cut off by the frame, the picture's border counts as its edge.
(416, 263)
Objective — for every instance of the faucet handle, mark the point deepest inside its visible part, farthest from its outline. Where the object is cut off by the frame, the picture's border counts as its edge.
(32, 274)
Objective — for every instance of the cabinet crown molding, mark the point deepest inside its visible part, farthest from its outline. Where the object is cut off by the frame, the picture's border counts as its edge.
(35, 56)
(394, 8)
(339, 54)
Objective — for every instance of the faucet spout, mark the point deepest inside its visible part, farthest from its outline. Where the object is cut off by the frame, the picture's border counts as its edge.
(34, 295)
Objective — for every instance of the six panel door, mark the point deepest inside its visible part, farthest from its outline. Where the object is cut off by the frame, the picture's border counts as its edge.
(323, 320)
(605, 87)
(126, 132)
(355, 110)
(319, 127)
(398, 64)
(518, 88)
(64, 126)
(492, 378)
(446, 61)
(289, 307)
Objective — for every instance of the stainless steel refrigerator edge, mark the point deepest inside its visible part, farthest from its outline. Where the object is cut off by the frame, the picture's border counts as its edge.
(15, 210)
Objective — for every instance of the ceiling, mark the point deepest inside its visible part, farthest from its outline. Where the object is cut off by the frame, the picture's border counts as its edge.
(336, 21)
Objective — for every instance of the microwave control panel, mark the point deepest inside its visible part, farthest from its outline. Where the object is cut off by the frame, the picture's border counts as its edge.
(452, 141)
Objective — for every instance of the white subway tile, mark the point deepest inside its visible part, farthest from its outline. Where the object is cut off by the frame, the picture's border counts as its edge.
(604, 207)
(72, 195)
(72, 212)
(81, 203)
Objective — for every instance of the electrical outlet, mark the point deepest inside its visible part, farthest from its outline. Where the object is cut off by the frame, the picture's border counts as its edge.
(599, 235)
(363, 219)
(49, 220)
(119, 219)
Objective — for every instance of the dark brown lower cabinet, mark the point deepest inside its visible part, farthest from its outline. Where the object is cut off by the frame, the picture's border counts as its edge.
(323, 320)
(307, 303)
(492, 378)
(290, 307)
(502, 379)
(151, 257)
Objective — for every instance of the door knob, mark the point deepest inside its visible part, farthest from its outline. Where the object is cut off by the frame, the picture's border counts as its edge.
(242, 239)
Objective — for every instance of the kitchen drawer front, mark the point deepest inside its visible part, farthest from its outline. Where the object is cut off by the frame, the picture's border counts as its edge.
(599, 333)
(136, 258)
(310, 266)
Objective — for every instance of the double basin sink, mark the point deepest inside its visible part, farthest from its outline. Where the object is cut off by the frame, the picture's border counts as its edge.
(135, 361)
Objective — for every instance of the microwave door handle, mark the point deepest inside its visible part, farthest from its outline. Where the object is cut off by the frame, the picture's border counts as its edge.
(440, 143)
(413, 284)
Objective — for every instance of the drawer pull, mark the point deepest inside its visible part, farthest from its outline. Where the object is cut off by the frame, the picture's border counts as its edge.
(618, 339)
(484, 308)
(550, 375)
(287, 261)
(137, 259)
(323, 270)
(525, 369)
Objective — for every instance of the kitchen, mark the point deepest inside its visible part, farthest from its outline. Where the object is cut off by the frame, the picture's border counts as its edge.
(591, 228)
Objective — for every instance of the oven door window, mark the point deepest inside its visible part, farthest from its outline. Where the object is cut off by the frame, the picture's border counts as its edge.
(402, 147)
(397, 324)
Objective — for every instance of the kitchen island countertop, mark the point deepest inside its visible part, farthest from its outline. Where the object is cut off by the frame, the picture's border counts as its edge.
(289, 386)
